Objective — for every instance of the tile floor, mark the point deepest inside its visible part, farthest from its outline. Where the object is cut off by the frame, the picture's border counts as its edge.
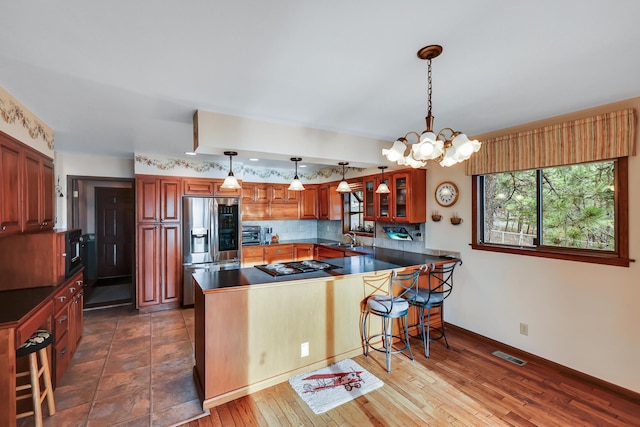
(130, 369)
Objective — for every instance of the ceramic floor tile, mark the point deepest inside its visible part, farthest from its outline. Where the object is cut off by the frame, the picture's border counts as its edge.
(162, 335)
(126, 362)
(132, 330)
(130, 345)
(168, 351)
(110, 378)
(78, 371)
(171, 393)
(171, 369)
(124, 382)
(117, 409)
(166, 325)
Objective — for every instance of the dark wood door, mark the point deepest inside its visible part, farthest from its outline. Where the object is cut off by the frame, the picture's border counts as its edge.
(114, 231)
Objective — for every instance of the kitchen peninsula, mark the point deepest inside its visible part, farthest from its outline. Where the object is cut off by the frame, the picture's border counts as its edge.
(251, 327)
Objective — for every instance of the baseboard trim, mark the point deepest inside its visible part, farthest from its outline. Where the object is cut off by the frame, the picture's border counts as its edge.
(613, 388)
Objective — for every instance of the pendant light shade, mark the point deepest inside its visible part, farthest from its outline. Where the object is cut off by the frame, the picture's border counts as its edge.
(231, 182)
(383, 187)
(296, 184)
(343, 187)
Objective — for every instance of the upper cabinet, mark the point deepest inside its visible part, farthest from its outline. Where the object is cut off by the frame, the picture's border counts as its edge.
(309, 202)
(407, 201)
(268, 201)
(26, 186)
(208, 187)
(159, 199)
(10, 202)
(329, 202)
(408, 196)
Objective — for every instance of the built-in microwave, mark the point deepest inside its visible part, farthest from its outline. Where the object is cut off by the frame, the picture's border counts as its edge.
(73, 252)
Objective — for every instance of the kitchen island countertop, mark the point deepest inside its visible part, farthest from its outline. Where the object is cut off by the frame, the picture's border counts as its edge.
(372, 259)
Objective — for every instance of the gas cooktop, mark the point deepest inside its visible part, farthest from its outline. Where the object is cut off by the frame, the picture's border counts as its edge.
(295, 267)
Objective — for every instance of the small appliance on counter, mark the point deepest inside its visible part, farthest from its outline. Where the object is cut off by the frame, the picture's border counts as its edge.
(211, 237)
(251, 235)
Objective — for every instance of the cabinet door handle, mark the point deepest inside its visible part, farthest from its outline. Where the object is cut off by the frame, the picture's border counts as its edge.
(64, 254)
(62, 298)
(79, 283)
(72, 290)
(63, 351)
(4, 227)
(62, 319)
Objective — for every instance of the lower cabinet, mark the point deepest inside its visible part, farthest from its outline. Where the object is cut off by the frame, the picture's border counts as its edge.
(323, 252)
(278, 253)
(302, 252)
(252, 256)
(68, 322)
(159, 264)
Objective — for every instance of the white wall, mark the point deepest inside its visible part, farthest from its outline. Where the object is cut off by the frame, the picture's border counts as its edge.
(580, 315)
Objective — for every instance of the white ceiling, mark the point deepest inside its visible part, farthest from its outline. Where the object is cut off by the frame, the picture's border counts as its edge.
(117, 77)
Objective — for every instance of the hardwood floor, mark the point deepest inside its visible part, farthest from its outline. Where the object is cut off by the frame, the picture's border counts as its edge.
(463, 386)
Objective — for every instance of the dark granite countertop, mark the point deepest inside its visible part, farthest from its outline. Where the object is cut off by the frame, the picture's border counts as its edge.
(15, 304)
(375, 259)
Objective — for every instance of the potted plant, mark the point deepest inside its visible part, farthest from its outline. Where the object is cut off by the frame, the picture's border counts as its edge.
(435, 216)
(455, 219)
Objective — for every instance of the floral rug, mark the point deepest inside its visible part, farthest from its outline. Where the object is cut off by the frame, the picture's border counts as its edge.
(334, 385)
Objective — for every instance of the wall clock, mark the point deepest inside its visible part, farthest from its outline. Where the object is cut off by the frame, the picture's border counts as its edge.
(447, 194)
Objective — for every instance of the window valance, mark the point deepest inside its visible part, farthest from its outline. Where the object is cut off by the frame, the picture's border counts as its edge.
(601, 137)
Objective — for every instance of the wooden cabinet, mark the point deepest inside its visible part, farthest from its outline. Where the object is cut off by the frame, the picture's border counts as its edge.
(369, 185)
(37, 192)
(309, 202)
(10, 201)
(68, 322)
(329, 202)
(26, 188)
(280, 194)
(252, 255)
(268, 201)
(159, 239)
(159, 267)
(158, 199)
(18, 269)
(208, 187)
(278, 253)
(408, 199)
(324, 252)
(302, 252)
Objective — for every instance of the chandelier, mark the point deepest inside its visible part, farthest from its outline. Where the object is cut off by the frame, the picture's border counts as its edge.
(447, 147)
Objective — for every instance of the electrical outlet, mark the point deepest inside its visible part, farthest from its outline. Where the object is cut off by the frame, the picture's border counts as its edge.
(524, 329)
(304, 349)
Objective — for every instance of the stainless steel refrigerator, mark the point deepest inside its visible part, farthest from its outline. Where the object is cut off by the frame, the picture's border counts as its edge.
(210, 236)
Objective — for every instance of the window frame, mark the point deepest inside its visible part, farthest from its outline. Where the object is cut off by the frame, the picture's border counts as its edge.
(619, 257)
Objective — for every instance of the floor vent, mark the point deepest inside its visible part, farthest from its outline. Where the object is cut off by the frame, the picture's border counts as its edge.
(509, 358)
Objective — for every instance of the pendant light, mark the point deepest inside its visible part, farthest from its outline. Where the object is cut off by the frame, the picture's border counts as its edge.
(343, 187)
(383, 187)
(447, 147)
(230, 182)
(296, 185)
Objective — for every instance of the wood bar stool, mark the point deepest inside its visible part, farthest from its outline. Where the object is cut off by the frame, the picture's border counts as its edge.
(36, 345)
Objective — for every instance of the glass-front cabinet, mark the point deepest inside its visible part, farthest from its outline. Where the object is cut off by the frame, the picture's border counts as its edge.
(400, 196)
(369, 199)
(384, 202)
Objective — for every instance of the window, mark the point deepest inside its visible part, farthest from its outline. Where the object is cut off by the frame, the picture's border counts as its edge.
(576, 212)
(356, 214)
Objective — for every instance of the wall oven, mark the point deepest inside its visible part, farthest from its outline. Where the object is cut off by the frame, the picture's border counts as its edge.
(73, 252)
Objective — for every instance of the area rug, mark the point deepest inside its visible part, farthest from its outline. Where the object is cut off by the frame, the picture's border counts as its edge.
(334, 385)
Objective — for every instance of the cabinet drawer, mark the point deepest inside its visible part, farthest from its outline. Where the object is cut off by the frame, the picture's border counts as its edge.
(62, 298)
(61, 323)
(252, 251)
(278, 250)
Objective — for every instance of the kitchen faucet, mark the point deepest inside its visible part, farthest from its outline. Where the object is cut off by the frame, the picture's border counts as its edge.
(352, 236)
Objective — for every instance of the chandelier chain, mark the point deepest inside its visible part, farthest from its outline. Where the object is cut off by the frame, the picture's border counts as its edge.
(430, 89)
